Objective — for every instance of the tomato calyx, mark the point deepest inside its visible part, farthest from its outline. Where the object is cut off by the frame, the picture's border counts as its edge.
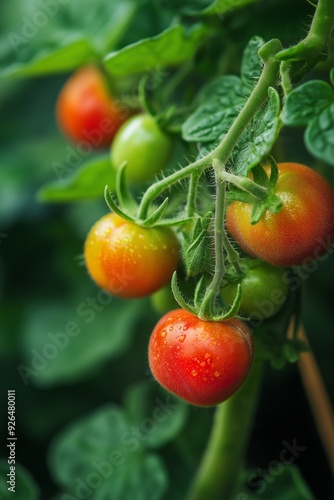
(123, 204)
(259, 192)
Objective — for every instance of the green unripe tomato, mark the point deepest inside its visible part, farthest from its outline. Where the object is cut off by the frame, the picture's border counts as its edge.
(264, 288)
(163, 300)
(143, 145)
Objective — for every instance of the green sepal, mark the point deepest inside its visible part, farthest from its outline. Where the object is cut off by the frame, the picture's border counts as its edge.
(122, 192)
(196, 252)
(114, 207)
(154, 218)
(174, 222)
(179, 297)
(233, 310)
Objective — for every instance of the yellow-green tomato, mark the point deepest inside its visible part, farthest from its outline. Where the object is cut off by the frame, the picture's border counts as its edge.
(143, 145)
(163, 300)
(264, 288)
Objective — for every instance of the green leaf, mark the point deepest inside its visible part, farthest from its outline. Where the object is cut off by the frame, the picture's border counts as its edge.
(25, 485)
(86, 182)
(222, 100)
(252, 65)
(223, 6)
(160, 416)
(319, 135)
(63, 343)
(211, 120)
(259, 137)
(307, 101)
(171, 47)
(72, 35)
(101, 456)
(73, 54)
(282, 480)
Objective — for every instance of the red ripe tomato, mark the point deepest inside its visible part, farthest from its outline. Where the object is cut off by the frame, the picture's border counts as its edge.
(302, 230)
(128, 260)
(86, 112)
(202, 362)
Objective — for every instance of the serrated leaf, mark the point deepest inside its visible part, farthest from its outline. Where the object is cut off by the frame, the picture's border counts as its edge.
(25, 487)
(87, 182)
(112, 204)
(211, 120)
(104, 445)
(251, 64)
(166, 413)
(306, 101)
(319, 136)
(171, 47)
(259, 137)
(180, 299)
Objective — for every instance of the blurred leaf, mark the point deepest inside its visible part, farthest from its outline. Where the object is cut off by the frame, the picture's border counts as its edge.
(25, 485)
(87, 182)
(101, 456)
(62, 344)
(222, 6)
(288, 484)
(73, 54)
(171, 47)
(159, 416)
(70, 35)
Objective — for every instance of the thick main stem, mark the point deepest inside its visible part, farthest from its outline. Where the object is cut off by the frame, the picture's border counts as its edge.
(222, 462)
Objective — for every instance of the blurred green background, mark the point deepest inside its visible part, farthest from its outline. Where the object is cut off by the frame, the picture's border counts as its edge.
(99, 383)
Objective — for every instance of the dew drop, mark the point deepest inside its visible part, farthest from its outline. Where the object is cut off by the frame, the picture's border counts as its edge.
(170, 328)
(185, 328)
(216, 374)
(194, 373)
(163, 334)
(203, 363)
(182, 338)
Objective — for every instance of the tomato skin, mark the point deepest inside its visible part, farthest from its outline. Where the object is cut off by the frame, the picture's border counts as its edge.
(264, 288)
(143, 145)
(202, 362)
(85, 111)
(127, 260)
(302, 230)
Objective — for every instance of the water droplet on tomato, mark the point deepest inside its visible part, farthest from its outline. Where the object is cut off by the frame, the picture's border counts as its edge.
(182, 338)
(194, 373)
(216, 374)
(163, 334)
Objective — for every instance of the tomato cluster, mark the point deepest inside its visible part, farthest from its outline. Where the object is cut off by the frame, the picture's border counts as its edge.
(202, 362)
(87, 112)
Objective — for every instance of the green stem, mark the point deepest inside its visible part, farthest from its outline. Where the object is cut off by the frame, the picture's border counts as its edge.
(155, 189)
(302, 57)
(207, 309)
(268, 78)
(251, 187)
(192, 194)
(219, 472)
